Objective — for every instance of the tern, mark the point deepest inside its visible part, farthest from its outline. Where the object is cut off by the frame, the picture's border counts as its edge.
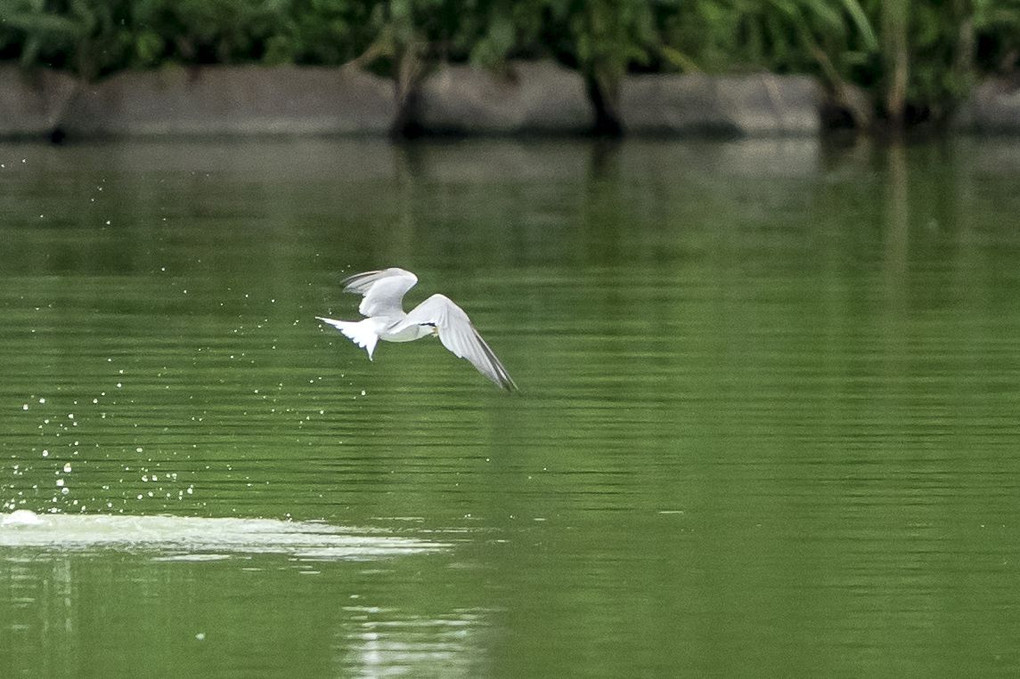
(385, 319)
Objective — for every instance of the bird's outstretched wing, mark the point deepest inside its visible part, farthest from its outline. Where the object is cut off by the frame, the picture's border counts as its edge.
(383, 290)
(460, 337)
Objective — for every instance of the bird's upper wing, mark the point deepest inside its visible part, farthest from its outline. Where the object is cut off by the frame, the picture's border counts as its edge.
(383, 290)
(459, 336)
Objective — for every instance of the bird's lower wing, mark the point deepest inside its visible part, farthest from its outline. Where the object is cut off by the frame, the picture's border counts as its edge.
(459, 336)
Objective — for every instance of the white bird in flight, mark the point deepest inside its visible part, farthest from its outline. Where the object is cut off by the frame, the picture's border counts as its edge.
(386, 320)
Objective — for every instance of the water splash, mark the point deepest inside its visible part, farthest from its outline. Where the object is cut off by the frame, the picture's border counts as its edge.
(202, 538)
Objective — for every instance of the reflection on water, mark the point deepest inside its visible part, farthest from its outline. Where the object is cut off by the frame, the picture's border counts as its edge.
(59, 601)
(767, 423)
(382, 643)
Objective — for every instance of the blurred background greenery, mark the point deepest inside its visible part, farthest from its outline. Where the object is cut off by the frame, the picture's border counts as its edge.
(890, 61)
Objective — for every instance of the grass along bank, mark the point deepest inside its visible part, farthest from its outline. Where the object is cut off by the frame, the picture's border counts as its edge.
(882, 63)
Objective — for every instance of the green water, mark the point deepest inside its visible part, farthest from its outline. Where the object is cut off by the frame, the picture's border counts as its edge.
(767, 426)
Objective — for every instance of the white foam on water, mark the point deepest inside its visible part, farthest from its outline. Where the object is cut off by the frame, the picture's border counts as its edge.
(203, 539)
(21, 517)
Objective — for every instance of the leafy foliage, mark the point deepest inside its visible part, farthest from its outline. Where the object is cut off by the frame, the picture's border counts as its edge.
(915, 58)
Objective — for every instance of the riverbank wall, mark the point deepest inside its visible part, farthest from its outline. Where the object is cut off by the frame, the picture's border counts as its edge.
(524, 98)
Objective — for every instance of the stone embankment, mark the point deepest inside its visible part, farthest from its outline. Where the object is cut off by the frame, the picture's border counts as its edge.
(524, 98)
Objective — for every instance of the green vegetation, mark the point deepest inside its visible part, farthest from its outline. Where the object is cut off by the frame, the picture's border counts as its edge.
(912, 60)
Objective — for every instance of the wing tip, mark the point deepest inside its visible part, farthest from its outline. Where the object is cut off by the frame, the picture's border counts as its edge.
(508, 385)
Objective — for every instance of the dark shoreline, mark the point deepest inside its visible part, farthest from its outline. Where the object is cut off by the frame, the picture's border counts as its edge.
(526, 99)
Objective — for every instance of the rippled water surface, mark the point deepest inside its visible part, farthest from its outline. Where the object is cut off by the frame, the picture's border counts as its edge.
(768, 420)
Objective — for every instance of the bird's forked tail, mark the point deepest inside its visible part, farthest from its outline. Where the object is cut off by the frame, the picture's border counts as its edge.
(361, 332)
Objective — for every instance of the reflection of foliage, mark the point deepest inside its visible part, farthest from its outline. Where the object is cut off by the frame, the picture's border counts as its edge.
(915, 58)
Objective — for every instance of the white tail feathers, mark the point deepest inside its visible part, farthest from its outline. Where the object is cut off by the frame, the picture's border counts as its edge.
(361, 332)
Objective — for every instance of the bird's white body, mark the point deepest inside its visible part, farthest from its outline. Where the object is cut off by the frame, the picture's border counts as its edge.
(386, 320)
(366, 333)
